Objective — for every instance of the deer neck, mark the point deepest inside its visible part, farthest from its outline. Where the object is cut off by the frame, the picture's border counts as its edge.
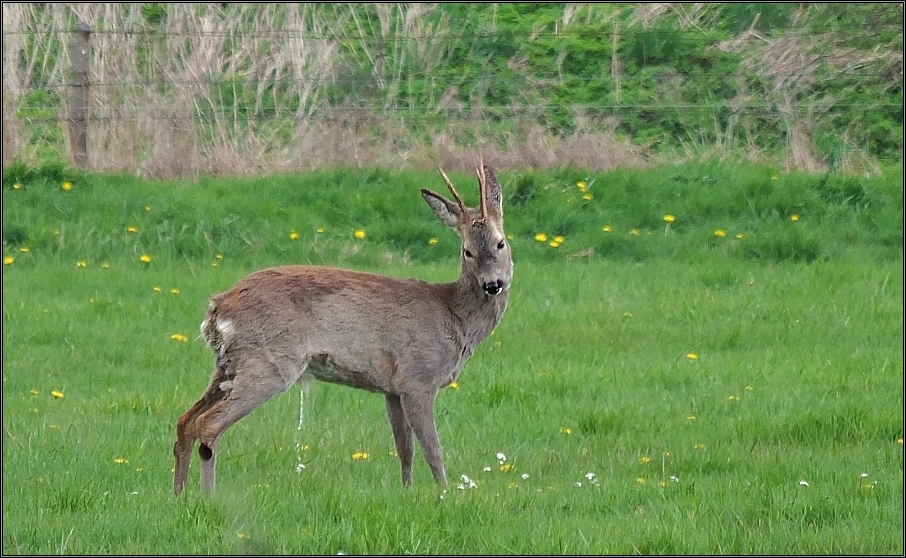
(478, 312)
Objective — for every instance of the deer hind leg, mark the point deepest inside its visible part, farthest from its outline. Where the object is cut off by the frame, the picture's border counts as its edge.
(402, 436)
(419, 410)
(255, 382)
(186, 435)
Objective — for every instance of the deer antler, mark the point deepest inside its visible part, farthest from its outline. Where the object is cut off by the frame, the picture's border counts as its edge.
(482, 186)
(462, 206)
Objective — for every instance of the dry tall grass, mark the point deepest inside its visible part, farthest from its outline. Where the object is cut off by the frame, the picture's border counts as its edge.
(204, 90)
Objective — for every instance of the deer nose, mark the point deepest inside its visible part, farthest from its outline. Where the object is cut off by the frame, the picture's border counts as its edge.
(493, 287)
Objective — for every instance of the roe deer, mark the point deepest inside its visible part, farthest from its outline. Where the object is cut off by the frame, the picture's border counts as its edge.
(405, 339)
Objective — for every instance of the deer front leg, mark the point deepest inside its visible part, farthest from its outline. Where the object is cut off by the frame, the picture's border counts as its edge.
(402, 436)
(419, 410)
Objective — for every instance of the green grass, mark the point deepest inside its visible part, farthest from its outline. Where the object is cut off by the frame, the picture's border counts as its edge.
(797, 328)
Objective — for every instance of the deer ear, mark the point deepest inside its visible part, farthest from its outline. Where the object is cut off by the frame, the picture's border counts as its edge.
(493, 198)
(447, 211)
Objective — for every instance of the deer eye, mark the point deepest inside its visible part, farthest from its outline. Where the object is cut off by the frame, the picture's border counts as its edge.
(500, 245)
(467, 253)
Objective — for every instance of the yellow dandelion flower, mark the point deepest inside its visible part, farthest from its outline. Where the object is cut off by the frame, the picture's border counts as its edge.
(512, 485)
(157, 289)
(120, 461)
(740, 236)
(139, 469)
(900, 440)
(541, 237)
(750, 388)
(432, 240)
(147, 208)
(775, 177)
(8, 260)
(554, 243)
(57, 394)
(293, 235)
(34, 392)
(453, 385)
(67, 186)
(794, 217)
(319, 230)
(720, 233)
(640, 480)
(627, 314)
(691, 418)
(566, 430)
(733, 398)
(179, 337)
(81, 263)
(24, 249)
(359, 456)
(644, 459)
(581, 185)
(506, 467)
(17, 186)
(132, 229)
(587, 197)
(215, 263)
(634, 232)
(607, 228)
(144, 258)
(360, 234)
(692, 356)
(663, 484)
(559, 239)
(105, 265)
(219, 256)
(698, 446)
(174, 290)
(669, 218)
(241, 535)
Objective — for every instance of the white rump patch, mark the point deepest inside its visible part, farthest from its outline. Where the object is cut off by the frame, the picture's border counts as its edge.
(225, 327)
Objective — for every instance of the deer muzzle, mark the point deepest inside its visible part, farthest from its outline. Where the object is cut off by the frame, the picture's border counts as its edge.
(493, 287)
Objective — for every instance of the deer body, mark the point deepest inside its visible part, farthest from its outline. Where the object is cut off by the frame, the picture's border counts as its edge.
(404, 338)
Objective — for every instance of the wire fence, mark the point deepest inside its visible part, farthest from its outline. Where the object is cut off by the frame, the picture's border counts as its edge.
(282, 97)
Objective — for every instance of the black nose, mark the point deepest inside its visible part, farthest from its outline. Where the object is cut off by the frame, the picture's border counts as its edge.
(493, 288)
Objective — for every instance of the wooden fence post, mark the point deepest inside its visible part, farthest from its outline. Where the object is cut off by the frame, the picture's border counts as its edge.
(80, 49)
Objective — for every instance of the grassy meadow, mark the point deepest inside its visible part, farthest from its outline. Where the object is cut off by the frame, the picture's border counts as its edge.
(696, 359)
